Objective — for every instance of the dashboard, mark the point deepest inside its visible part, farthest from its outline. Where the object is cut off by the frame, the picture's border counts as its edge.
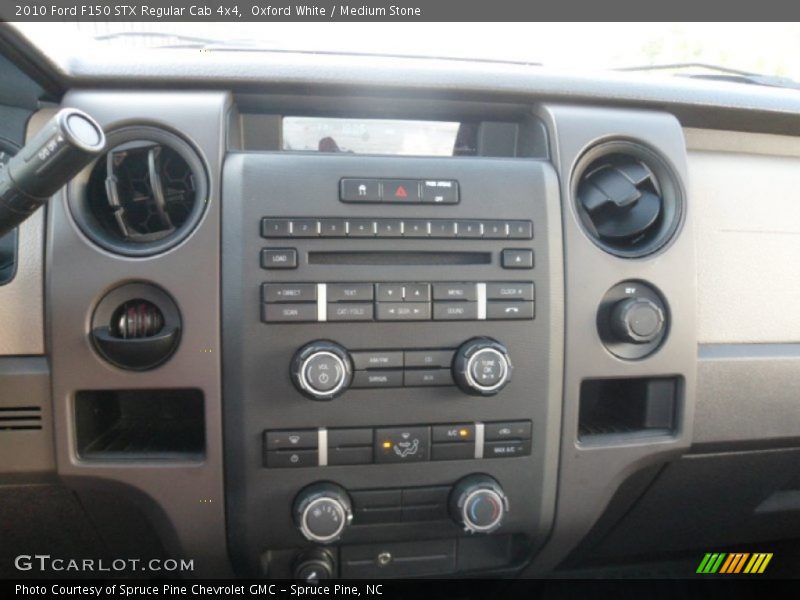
(481, 325)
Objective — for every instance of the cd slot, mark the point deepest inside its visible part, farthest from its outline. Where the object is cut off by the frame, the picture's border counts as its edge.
(400, 258)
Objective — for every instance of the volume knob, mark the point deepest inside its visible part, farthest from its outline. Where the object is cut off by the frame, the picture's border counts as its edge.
(322, 370)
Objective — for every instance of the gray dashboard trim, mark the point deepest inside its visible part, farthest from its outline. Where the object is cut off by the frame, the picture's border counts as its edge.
(589, 475)
(185, 499)
(717, 102)
(22, 299)
(737, 141)
(747, 393)
(747, 235)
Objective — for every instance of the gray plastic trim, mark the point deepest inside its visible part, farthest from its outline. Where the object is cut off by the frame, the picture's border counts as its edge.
(589, 475)
(718, 101)
(747, 393)
(185, 500)
(25, 382)
(22, 299)
(748, 236)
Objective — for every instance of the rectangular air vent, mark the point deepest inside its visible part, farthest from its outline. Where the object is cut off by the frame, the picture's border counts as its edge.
(20, 418)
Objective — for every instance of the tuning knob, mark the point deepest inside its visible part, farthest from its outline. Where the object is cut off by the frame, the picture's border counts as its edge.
(637, 320)
(322, 511)
(482, 367)
(478, 504)
(322, 370)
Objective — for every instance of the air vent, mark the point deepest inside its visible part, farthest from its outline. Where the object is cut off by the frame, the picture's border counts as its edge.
(20, 418)
(628, 199)
(145, 195)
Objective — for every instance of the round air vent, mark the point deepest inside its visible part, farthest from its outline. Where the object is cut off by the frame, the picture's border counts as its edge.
(136, 326)
(142, 197)
(628, 198)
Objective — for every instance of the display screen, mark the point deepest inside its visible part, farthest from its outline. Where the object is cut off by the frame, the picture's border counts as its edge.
(379, 136)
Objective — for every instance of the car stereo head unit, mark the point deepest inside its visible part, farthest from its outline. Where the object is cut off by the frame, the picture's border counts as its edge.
(389, 327)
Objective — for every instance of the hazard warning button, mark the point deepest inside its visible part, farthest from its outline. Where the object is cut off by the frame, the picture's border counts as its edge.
(401, 190)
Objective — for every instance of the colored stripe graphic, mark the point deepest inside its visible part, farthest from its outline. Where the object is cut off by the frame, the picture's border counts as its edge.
(734, 563)
(711, 563)
(703, 563)
(758, 563)
(727, 564)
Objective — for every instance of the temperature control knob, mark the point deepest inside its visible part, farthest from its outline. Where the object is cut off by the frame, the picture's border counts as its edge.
(322, 511)
(322, 370)
(482, 367)
(478, 504)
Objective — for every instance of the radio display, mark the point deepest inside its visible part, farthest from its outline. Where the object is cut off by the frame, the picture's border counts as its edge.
(396, 137)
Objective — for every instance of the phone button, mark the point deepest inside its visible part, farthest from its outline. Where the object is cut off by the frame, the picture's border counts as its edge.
(509, 310)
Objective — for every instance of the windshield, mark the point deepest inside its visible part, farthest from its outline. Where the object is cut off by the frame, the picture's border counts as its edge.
(762, 48)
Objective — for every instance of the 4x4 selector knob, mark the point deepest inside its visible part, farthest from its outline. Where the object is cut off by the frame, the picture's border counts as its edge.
(322, 370)
(482, 367)
(637, 320)
(478, 504)
(322, 511)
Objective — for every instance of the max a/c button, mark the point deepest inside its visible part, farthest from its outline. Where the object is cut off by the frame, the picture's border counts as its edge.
(506, 449)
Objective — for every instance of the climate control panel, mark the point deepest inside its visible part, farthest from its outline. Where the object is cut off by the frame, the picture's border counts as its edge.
(324, 447)
(323, 511)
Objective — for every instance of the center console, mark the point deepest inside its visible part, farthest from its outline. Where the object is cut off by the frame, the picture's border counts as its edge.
(409, 349)
(392, 362)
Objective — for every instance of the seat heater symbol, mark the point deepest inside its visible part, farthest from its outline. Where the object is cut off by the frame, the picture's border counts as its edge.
(362, 190)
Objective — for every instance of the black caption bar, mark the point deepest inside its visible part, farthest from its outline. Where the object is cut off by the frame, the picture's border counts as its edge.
(393, 10)
(465, 589)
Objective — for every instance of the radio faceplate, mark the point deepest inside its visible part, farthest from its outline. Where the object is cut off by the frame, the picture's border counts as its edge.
(259, 394)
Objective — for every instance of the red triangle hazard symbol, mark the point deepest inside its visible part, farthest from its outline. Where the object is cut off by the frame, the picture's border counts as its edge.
(400, 192)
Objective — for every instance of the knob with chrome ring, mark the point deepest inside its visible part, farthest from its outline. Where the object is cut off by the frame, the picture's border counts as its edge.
(322, 511)
(482, 367)
(322, 370)
(478, 504)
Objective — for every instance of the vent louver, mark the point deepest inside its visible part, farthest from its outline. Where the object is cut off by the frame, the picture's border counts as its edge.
(628, 199)
(20, 418)
(144, 195)
(149, 191)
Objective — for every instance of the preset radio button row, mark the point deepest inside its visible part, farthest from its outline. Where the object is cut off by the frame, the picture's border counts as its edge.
(487, 229)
